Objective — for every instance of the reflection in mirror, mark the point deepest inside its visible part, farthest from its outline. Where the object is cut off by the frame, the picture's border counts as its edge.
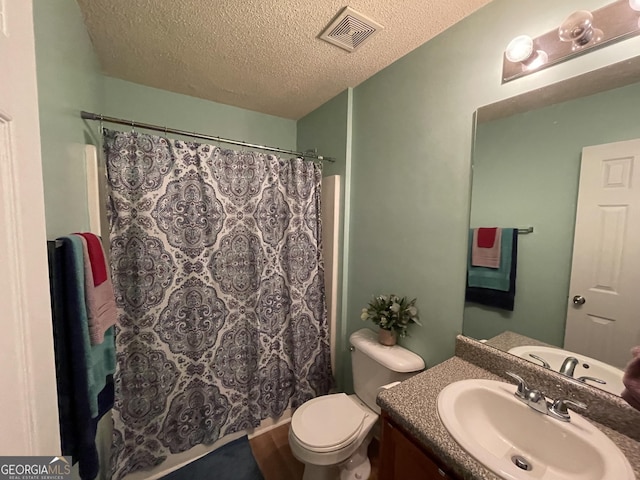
(526, 171)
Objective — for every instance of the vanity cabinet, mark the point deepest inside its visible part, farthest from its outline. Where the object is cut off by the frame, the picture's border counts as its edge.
(401, 458)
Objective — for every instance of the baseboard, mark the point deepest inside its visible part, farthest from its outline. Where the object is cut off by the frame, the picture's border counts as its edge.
(270, 423)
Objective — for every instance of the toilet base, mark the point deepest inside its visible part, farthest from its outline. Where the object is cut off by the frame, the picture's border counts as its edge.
(356, 467)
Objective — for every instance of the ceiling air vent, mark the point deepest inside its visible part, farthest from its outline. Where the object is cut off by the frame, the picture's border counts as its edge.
(350, 29)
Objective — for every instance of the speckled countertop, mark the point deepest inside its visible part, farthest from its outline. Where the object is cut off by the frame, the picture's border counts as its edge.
(413, 406)
(507, 340)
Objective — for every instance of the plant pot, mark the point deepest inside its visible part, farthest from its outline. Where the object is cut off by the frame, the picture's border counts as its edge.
(387, 337)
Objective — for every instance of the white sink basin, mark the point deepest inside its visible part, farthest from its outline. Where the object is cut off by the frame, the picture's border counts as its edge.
(494, 427)
(588, 367)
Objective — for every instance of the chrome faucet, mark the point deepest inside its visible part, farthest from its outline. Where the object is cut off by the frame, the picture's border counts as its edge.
(532, 397)
(536, 399)
(569, 366)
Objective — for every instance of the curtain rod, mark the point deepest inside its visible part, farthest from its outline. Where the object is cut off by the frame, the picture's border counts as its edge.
(146, 126)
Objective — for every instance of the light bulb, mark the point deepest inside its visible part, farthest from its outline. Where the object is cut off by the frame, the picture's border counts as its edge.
(634, 5)
(578, 28)
(519, 49)
(537, 61)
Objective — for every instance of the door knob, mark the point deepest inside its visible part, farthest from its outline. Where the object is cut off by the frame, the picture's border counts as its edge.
(579, 300)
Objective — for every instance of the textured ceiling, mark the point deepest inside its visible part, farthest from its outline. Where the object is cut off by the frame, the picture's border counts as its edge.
(262, 55)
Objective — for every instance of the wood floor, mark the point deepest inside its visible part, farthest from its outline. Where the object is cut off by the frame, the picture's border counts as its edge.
(274, 457)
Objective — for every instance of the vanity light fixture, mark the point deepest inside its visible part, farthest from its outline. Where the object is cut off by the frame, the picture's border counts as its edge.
(522, 50)
(580, 32)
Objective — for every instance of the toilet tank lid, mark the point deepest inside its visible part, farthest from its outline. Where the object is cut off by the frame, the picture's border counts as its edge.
(396, 358)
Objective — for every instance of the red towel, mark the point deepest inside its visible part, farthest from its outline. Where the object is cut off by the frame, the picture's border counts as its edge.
(96, 256)
(631, 380)
(486, 237)
(486, 257)
(99, 296)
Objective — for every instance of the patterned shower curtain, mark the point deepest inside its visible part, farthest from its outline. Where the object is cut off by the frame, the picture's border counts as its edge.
(218, 275)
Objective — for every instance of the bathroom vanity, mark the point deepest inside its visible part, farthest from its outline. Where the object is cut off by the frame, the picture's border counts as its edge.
(401, 456)
(416, 444)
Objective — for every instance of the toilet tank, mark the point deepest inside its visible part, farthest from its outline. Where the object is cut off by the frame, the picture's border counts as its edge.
(375, 365)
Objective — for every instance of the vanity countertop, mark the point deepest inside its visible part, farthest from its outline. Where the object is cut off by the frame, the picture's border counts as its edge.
(413, 406)
(507, 340)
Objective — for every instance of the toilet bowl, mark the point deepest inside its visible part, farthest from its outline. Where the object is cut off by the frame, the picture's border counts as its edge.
(331, 435)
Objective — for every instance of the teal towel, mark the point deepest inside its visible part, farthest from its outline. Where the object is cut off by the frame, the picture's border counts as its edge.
(103, 356)
(99, 359)
(492, 278)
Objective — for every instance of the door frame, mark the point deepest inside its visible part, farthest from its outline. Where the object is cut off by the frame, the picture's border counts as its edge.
(28, 404)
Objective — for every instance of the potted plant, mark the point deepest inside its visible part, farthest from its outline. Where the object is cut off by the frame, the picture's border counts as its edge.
(392, 314)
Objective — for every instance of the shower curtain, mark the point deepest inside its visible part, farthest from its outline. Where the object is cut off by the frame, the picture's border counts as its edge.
(218, 275)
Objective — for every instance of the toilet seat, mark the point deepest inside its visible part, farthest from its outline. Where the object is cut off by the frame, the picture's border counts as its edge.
(328, 423)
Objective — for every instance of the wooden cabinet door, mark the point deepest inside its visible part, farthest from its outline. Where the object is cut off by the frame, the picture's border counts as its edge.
(402, 459)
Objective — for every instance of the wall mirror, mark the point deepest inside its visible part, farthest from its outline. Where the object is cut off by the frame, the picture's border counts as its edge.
(526, 168)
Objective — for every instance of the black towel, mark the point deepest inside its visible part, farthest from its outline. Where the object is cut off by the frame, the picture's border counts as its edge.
(498, 298)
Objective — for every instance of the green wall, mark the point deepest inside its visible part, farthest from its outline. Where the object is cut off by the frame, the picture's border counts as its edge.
(525, 173)
(328, 129)
(69, 80)
(159, 107)
(412, 135)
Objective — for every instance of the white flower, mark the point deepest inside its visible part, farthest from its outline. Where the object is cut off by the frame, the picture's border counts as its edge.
(413, 311)
(364, 315)
(395, 307)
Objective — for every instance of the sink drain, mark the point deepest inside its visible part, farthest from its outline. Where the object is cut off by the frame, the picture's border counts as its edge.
(521, 462)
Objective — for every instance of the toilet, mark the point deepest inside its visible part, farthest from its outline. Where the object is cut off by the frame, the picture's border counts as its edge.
(331, 434)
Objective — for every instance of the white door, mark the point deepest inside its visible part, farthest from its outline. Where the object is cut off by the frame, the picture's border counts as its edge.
(28, 405)
(606, 255)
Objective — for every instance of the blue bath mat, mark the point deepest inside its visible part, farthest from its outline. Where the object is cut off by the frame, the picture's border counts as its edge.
(233, 461)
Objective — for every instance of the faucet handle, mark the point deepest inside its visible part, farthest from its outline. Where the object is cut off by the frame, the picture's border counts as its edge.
(545, 364)
(523, 388)
(560, 410)
(591, 379)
